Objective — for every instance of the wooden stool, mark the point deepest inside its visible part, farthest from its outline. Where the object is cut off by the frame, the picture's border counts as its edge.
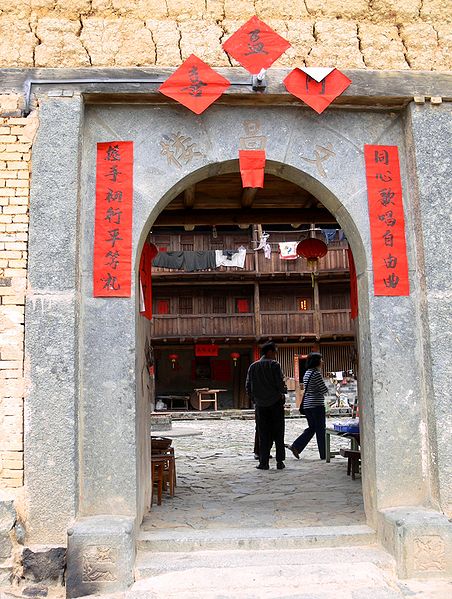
(353, 460)
(163, 472)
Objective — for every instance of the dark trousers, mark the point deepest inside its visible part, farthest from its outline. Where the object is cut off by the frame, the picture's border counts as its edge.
(270, 426)
(316, 426)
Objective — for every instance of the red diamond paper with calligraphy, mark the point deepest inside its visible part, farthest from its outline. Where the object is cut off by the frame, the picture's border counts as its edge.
(317, 95)
(255, 45)
(113, 220)
(195, 85)
(387, 221)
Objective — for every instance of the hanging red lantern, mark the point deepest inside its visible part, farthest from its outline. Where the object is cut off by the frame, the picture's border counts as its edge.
(174, 358)
(312, 249)
(235, 356)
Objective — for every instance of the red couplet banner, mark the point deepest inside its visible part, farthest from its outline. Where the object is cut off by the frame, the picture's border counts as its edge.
(113, 220)
(387, 222)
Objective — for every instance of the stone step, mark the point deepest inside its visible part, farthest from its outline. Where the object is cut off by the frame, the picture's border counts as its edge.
(316, 573)
(149, 564)
(187, 540)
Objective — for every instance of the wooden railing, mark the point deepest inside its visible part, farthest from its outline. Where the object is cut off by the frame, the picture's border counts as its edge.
(202, 325)
(328, 322)
(336, 259)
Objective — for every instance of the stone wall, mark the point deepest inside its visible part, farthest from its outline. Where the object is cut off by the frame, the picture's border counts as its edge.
(16, 135)
(375, 34)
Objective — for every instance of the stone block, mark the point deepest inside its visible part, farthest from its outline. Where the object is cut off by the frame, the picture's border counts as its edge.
(100, 555)
(343, 9)
(420, 540)
(60, 44)
(44, 564)
(17, 43)
(118, 42)
(337, 46)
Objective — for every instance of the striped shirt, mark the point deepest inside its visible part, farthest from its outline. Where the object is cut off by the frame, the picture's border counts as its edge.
(315, 390)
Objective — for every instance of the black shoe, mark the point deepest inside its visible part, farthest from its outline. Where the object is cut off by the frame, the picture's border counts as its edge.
(261, 467)
(294, 450)
(280, 465)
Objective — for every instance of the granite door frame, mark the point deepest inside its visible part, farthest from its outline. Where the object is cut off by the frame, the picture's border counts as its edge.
(79, 464)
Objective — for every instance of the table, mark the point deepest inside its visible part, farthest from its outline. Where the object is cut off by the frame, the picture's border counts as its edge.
(354, 441)
(202, 398)
(170, 399)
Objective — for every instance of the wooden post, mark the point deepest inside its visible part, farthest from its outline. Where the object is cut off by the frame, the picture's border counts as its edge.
(257, 311)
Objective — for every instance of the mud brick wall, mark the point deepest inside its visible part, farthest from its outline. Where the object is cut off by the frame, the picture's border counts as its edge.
(375, 34)
(16, 136)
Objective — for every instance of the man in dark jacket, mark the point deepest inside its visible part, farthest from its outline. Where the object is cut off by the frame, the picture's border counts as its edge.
(265, 386)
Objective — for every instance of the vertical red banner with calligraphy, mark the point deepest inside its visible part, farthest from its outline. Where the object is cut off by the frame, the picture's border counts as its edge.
(387, 222)
(112, 269)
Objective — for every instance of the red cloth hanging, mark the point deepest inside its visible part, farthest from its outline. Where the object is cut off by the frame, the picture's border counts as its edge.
(243, 306)
(162, 306)
(353, 286)
(147, 255)
(252, 164)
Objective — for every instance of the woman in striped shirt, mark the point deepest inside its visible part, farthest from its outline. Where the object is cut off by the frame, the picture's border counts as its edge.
(313, 407)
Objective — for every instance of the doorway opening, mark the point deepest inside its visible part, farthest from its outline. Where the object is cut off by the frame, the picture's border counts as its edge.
(209, 318)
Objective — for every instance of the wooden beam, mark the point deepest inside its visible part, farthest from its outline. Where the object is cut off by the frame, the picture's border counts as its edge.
(189, 196)
(248, 195)
(284, 216)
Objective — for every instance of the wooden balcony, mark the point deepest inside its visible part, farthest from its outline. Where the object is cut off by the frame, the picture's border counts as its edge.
(336, 260)
(203, 325)
(276, 324)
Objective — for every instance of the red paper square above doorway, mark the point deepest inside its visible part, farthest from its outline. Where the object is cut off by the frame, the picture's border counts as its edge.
(255, 45)
(195, 85)
(316, 94)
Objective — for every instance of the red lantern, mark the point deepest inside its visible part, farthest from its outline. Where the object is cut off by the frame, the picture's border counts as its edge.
(174, 358)
(312, 249)
(235, 356)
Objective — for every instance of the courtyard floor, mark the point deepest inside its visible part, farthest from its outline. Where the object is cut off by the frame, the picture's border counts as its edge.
(218, 486)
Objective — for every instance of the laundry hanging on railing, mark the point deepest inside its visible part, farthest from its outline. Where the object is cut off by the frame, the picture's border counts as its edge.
(189, 261)
(264, 245)
(237, 258)
(288, 250)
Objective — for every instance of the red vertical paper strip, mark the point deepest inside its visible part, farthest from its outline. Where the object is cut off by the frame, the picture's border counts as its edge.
(353, 286)
(113, 220)
(387, 222)
(252, 165)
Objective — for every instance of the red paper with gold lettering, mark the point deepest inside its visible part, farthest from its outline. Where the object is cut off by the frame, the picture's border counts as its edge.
(255, 45)
(113, 220)
(195, 85)
(317, 95)
(387, 221)
(252, 164)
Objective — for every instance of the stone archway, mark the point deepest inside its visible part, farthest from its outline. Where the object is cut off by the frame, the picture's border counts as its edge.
(85, 442)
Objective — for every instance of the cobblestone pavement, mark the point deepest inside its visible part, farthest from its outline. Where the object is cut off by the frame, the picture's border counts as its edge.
(219, 487)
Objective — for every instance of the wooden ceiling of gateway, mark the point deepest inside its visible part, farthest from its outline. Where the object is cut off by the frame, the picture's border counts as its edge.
(221, 200)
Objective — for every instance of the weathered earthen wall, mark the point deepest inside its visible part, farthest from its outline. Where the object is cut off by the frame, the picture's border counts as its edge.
(375, 34)
(16, 135)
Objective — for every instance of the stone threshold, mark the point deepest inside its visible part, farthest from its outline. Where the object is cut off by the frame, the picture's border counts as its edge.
(188, 540)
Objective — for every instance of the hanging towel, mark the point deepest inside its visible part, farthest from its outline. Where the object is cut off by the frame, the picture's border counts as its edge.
(238, 258)
(199, 260)
(288, 250)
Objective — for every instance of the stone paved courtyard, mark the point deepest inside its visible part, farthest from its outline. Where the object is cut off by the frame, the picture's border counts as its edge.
(219, 487)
